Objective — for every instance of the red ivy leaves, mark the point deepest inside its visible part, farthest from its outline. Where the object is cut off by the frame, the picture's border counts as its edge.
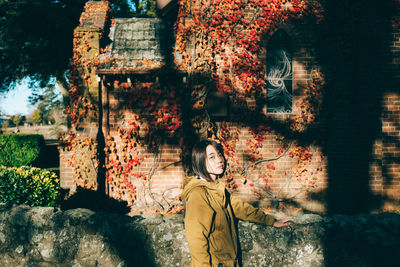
(254, 145)
(224, 46)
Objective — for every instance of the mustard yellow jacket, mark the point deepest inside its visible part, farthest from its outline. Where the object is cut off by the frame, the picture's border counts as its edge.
(210, 222)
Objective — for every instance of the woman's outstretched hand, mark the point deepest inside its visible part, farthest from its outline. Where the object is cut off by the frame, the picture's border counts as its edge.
(283, 222)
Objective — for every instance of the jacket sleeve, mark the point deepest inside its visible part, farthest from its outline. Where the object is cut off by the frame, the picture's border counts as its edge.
(247, 212)
(198, 220)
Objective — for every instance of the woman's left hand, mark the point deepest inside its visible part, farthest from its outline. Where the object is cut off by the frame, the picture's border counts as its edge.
(283, 222)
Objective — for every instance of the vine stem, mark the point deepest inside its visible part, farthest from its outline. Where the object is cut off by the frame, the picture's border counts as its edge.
(246, 170)
(147, 183)
(148, 188)
(168, 165)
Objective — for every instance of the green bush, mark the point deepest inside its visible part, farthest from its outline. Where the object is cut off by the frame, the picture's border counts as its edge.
(20, 149)
(28, 185)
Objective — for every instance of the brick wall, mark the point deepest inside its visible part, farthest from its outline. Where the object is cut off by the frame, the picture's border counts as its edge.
(385, 168)
(355, 146)
(389, 181)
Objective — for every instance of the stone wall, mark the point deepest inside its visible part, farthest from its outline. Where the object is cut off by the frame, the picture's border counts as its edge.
(44, 236)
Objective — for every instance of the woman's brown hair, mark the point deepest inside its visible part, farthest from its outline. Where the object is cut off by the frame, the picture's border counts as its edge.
(199, 157)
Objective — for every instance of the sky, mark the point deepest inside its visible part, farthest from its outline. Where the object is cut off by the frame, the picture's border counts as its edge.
(16, 100)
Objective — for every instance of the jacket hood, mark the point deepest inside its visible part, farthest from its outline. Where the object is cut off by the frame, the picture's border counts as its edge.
(191, 182)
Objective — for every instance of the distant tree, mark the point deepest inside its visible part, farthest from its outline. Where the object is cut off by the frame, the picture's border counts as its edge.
(47, 100)
(133, 8)
(145, 7)
(37, 116)
(59, 121)
(58, 117)
(23, 119)
(16, 119)
(5, 124)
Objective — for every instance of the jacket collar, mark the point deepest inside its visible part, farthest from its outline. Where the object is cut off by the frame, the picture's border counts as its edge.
(191, 182)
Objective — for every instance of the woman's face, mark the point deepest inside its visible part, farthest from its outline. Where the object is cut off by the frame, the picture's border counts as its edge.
(215, 162)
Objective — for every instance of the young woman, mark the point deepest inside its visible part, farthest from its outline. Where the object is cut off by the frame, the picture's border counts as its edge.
(211, 212)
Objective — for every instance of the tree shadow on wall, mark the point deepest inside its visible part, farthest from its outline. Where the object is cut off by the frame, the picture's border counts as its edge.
(354, 52)
(129, 240)
(94, 200)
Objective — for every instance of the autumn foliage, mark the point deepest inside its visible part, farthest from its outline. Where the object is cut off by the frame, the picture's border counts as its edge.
(224, 38)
